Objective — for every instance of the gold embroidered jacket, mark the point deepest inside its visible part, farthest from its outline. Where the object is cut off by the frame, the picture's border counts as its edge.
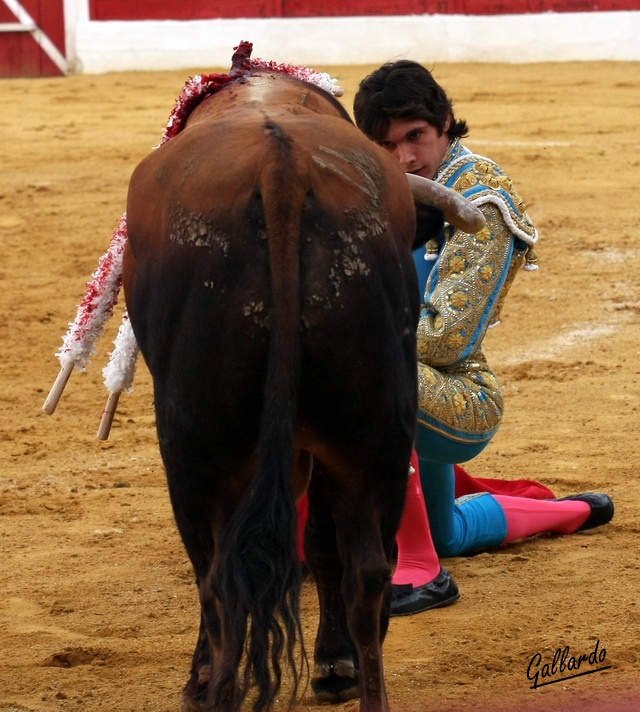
(459, 395)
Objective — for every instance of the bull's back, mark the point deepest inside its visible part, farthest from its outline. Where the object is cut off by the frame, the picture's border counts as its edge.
(208, 210)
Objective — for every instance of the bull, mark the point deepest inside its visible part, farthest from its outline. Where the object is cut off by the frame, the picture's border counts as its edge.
(269, 281)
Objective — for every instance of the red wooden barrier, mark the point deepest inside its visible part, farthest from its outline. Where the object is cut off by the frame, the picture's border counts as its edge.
(32, 41)
(209, 9)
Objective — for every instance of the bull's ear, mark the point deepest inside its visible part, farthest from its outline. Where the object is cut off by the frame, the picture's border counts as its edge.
(429, 224)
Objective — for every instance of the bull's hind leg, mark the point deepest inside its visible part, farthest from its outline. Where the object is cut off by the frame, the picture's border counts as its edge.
(335, 675)
(194, 481)
(191, 519)
(366, 589)
(215, 664)
(354, 595)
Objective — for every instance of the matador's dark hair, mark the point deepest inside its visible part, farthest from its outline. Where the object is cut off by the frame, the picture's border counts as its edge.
(403, 90)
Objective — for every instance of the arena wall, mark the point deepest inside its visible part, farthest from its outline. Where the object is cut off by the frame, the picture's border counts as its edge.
(611, 33)
(39, 37)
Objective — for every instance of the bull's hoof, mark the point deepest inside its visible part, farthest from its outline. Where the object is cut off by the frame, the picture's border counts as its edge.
(188, 704)
(194, 693)
(335, 682)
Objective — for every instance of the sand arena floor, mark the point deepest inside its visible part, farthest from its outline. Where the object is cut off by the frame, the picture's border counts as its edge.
(98, 610)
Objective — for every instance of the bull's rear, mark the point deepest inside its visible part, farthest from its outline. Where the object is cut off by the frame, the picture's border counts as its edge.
(270, 286)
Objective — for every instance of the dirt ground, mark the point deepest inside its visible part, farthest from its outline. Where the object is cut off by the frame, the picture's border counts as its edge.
(98, 610)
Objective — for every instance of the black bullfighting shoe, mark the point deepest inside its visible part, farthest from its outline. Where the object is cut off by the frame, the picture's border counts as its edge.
(601, 508)
(407, 599)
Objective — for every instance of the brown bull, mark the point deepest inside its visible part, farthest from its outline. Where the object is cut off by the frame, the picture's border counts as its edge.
(271, 288)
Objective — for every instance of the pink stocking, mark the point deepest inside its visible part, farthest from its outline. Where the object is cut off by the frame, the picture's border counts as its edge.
(526, 517)
(418, 562)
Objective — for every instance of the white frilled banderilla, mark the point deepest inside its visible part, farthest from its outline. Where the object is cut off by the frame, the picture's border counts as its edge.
(93, 313)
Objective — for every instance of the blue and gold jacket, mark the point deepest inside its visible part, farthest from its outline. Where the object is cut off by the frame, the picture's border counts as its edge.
(459, 395)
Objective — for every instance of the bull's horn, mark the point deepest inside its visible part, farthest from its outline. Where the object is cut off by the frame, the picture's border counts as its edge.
(458, 211)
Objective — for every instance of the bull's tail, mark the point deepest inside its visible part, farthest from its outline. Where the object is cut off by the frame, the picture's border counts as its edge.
(259, 577)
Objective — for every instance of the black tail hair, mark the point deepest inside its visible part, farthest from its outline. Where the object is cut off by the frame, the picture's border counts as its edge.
(259, 578)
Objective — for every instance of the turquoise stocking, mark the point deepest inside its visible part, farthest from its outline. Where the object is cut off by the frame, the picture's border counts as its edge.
(464, 526)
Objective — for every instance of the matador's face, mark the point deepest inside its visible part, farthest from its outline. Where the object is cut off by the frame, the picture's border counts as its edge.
(417, 145)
